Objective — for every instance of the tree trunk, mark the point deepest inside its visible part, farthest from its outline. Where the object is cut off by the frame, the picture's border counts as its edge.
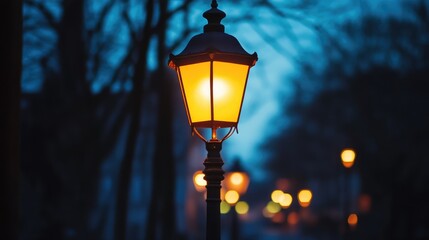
(9, 111)
(161, 220)
(140, 72)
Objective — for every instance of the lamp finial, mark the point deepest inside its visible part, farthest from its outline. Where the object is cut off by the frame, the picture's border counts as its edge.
(214, 16)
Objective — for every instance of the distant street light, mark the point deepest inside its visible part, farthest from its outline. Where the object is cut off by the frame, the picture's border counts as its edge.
(348, 156)
(352, 220)
(212, 71)
(237, 179)
(199, 181)
(304, 197)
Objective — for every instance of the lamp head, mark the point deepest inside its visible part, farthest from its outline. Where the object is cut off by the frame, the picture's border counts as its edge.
(213, 71)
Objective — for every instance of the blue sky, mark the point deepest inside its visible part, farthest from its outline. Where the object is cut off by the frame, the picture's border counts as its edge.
(269, 86)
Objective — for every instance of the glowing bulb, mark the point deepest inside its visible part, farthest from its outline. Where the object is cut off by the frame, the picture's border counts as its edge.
(236, 178)
(220, 89)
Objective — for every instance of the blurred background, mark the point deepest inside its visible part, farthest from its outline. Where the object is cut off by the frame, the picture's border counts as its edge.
(106, 150)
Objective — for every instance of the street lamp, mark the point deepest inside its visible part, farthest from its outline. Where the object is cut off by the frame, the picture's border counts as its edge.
(348, 156)
(304, 197)
(212, 71)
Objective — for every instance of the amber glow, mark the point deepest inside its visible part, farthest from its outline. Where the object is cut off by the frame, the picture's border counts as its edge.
(293, 218)
(236, 178)
(286, 200)
(229, 81)
(242, 207)
(364, 203)
(278, 217)
(352, 220)
(348, 157)
(237, 181)
(199, 182)
(304, 197)
(231, 197)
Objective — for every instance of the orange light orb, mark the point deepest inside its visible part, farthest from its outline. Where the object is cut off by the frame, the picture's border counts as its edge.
(348, 156)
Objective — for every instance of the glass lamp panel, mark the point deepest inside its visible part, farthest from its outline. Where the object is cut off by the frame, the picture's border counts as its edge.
(229, 80)
(196, 88)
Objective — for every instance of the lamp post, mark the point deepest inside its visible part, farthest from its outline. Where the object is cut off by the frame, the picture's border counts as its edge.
(348, 156)
(212, 71)
(236, 180)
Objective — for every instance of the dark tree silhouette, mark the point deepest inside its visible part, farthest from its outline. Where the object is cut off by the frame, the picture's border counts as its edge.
(10, 92)
(70, 129)
(373, 97)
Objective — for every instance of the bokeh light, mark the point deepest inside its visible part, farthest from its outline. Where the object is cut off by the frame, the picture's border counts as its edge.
(242, 207)
(348, 156)
(199, 181)
(273, 207)
(352, 220)
(293, 218)
(236, 178)
(231, 197)
(304, 197)
(276, 195)
(286, 200)
(224, 207)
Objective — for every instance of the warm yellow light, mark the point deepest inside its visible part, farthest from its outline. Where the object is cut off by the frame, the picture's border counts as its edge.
(237, 181)
(193, 77)
(348, 157)
(273, 207)
(224, 207)
(224, 94)
(220, 89)
(276, 195)
(235, 75)
(304, 197)
(242, 207)
(236, 178)
(232, 197)
(199, 181)
(285, 200)
(352, 220)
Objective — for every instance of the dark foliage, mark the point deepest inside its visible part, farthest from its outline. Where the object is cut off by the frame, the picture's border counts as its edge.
(374, 98)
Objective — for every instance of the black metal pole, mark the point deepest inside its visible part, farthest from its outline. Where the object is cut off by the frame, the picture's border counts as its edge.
(235, 227)
(213, 175)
